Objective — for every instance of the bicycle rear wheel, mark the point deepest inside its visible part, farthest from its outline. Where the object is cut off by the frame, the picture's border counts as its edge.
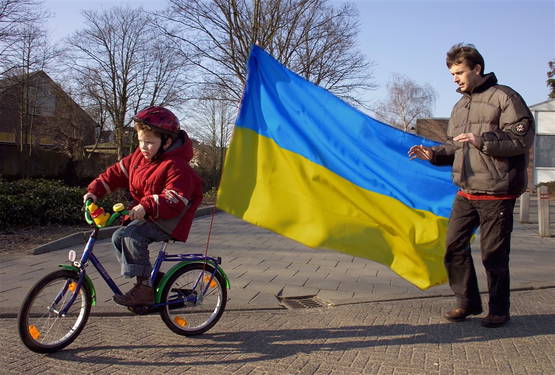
(41, 328)
(196, 300)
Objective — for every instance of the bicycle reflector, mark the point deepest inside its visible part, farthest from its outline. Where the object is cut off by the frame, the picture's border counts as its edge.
(180, 321)
(207, 280)
(34, 331)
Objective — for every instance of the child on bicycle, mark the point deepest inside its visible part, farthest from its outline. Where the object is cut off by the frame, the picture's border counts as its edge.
(166, 193)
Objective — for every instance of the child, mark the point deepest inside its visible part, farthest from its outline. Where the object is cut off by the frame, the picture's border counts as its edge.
(166, 192)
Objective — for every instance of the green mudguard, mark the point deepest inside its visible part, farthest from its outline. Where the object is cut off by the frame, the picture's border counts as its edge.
(179, 266)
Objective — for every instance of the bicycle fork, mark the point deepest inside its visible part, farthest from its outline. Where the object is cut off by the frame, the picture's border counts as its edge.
(74, 288)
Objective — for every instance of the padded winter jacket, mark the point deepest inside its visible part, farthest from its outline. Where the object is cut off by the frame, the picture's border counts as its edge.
(504, 128)
(168, 188)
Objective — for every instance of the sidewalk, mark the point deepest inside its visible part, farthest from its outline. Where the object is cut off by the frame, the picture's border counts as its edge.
(262, 265)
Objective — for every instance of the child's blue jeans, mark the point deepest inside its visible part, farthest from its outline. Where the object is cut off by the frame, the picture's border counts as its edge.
(131, 246)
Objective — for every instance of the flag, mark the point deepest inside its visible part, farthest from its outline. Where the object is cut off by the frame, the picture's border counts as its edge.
(306, 165)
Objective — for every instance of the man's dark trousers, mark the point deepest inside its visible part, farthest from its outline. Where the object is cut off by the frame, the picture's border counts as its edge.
(495, 218)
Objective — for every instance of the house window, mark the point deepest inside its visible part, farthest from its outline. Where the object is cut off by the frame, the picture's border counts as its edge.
(46, 140)
(545, 151)
(7, 137)
(42, 101)
(545, 122)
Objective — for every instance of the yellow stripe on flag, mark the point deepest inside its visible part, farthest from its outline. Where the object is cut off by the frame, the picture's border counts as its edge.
(284, 192)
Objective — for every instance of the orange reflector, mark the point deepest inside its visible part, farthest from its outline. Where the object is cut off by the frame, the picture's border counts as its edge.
(212, 283)
(72, 286)
(34, 331)
(180, 321)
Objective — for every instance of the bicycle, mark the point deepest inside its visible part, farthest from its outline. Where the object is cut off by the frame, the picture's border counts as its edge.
(190, 297)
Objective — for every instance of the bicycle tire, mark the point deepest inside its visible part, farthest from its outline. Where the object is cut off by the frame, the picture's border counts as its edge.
(41, 329)
(193, 318)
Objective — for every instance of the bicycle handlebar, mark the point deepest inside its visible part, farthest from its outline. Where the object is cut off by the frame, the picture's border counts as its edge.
(95, 215)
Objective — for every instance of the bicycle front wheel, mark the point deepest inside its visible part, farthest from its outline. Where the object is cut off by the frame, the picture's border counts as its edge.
(196, 300)
(41, 326)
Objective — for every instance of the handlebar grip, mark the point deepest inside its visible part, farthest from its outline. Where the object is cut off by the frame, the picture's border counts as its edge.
(115, 216)
(88, 217)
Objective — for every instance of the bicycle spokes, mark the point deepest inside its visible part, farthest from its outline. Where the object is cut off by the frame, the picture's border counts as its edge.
(42, 326)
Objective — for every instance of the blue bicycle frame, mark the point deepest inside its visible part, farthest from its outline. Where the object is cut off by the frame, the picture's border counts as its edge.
(162, 257)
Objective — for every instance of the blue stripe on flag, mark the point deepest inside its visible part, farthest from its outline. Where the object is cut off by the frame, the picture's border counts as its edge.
(308, 120)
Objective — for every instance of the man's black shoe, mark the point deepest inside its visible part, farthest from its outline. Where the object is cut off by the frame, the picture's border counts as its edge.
(459, 314)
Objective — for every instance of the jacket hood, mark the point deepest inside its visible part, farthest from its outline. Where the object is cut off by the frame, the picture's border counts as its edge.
(487, 80)
(181, 147)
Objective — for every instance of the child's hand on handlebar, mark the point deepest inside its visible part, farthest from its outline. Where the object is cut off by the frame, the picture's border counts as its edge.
(137, 212)
(89, 196)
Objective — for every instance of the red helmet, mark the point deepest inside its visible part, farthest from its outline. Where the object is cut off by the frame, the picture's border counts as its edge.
(159, 118)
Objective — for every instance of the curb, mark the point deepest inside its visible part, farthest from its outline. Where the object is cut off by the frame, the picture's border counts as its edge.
(103, 233)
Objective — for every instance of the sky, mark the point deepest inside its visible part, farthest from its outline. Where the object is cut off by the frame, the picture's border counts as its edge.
(411, 37)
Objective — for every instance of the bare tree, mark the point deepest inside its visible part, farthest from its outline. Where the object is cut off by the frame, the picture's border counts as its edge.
(14, 16)
(124, 64)
(551, 78)
(34, 54)
(213, 125)
(310, 37)
(406, 102)
(95, 106)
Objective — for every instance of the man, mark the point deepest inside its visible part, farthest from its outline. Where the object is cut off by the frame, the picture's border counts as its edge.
(489, 136)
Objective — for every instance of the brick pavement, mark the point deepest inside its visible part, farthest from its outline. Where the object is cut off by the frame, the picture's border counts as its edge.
(396, 337)
(258, 336)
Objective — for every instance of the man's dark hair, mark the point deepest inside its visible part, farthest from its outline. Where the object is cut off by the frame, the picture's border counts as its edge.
(465, 53)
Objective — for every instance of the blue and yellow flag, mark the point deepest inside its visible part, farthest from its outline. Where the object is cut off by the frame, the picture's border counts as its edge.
(308, 166)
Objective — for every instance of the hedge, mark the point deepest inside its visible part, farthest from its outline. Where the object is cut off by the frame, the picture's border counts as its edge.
(32, 202)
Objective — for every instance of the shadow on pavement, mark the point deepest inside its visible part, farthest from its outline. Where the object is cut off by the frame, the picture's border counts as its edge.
(262, 345)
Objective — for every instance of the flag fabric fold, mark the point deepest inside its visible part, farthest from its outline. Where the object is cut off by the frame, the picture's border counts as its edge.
(308, 166)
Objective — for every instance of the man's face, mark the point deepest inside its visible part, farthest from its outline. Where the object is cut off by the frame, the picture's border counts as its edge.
(466, 78)
(149, 143)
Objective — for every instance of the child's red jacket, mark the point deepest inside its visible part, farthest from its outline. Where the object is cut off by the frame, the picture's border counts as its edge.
(168, 188)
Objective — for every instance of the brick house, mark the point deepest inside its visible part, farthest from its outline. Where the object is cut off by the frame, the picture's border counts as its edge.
(37, 117)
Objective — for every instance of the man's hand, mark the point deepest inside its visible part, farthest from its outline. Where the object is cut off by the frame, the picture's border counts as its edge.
(89, 196)
(137, 212)
(467, 137)
(420, 152)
